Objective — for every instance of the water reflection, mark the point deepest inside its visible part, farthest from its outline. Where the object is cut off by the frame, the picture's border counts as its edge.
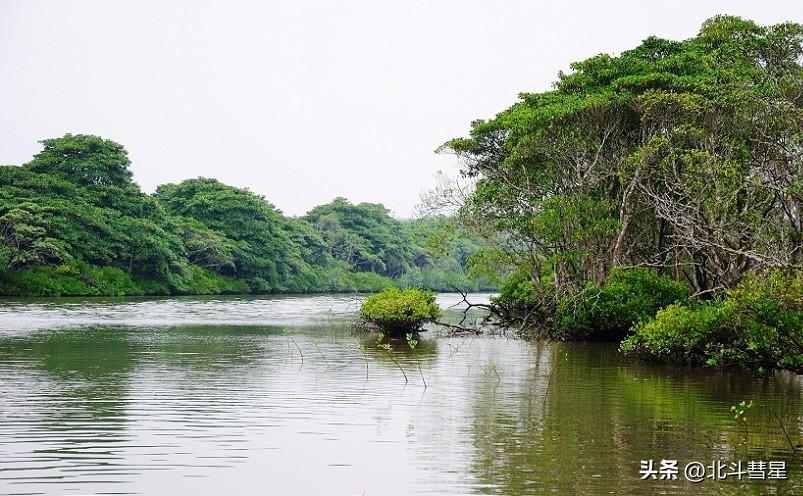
(587, 432)
(210, 407)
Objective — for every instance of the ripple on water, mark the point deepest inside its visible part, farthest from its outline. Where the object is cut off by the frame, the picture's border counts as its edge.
(177, 396)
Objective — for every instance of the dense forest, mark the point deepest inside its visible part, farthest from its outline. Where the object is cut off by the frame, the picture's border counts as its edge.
(655, 196)
(72, 222)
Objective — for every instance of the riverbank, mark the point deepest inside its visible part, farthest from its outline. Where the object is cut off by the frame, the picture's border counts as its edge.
(758, 324)
(90, 280)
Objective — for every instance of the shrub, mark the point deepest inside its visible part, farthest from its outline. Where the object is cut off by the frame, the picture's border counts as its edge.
(519, 292)
(400, 310)
(768, 315)
(760, 323)
(108, 281)
(78, 279)
(607, 312)
(683, 334)
(197, 280)
(365, 281)
(44, 281)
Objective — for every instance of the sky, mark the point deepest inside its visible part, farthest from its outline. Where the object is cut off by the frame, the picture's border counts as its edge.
(303, 101)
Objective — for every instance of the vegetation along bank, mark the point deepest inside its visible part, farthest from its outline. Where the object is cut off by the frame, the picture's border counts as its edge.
(72, 222)
(654, 197)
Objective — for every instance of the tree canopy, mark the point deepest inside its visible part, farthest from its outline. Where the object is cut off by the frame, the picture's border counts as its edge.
(72, 221)
(685, 156)
(672, 169)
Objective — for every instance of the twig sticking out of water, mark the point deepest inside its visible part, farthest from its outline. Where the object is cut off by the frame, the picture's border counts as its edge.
(459, 328)
(299, 349)
(365, 357)
(785, 433)
(386, 348)
(498, 379)
(397, 363)
(322, 355)
(551, 373)
(468, 307)
(422, 375)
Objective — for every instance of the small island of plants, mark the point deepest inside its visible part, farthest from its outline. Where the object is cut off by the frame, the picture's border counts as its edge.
(398, 311)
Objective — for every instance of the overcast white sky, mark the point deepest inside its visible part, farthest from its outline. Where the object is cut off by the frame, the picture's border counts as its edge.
(302, 100)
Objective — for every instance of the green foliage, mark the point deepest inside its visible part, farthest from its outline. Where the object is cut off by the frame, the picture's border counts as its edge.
(768, 313)
(261, 249)
(399, 310)
(89, 280)
(607, 312)
(62, 217)
(339, 278)
(84, 159)
(679, 155)
(682, 333)
(519, 292)
(198, 280)
(411, 341)
(74, 205)
(205, 247)
(23, 232)
(760, 324)
(365, 236)
(740, 410)
(67, 280)
(444, 257)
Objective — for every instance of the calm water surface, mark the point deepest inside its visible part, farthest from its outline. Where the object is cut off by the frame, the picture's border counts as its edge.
(232, 395)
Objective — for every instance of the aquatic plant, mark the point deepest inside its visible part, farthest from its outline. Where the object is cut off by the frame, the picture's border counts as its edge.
(386, 348)
(412, 343)
(739, 414)
(396, 311)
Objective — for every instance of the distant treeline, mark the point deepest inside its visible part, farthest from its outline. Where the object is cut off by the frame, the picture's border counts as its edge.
(72, 222)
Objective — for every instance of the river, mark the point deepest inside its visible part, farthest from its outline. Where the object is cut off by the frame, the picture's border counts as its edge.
(277, 395)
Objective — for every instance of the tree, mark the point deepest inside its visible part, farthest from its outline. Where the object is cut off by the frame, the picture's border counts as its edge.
(24, 240)
(264, 254)
(73, 222)
(684, 156)
(85, 160)
(364, 235)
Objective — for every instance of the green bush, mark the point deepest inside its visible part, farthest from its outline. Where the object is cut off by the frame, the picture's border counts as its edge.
(66, 280)
(197, 280)
(607, 312)
(400, 310)
(338, 278)
(42, 281)
(519, 292)
(682, 334)
(83, 279)
(441, 277)
(108, 281)
(364, 282)
(768, 314)
(760, 323)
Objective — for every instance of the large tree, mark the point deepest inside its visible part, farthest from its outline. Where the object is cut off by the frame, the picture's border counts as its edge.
(262, 248)
(75, 202)
(364, 235)
(686, 156)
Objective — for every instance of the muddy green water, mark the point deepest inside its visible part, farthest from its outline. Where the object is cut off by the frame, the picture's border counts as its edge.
(210, 396)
